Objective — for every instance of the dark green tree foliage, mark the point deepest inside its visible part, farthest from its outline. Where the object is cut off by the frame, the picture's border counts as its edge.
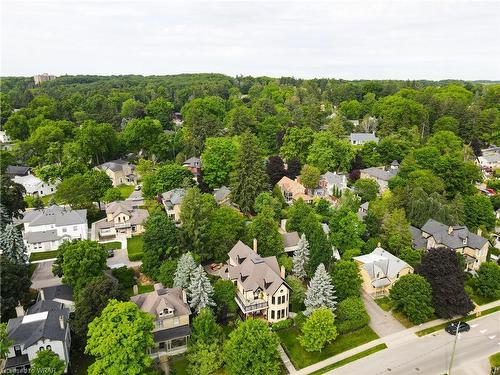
(297, 213)
(161, 240)
(442, 270)
(239, 120)
(293, 168)
(225, 227)
(79, 191)
(218, 160)
(265, 230)
(167, 272)
(11, 197)
(297, 293)
(249, 178)
(141, 134)
(166, 177)
(346, 279)
(411, 256)
(351, 315)
(224, 293)
(346, 230)
(161, 109)
(16, 277)
(367, 189)
(320, 250)
(412, 295)
(479, 212)
(487, 283)
(275, 169)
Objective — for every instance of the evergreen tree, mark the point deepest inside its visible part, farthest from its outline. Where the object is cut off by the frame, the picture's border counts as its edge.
(249, 178)
(38, 203)
(301, 257)
(275, 169)
(12, 245)
(200, 290)
(185, 269)
(320, 291)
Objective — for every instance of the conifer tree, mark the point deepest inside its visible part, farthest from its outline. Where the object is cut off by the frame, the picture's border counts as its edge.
(301, 257)
(185, 269)
(12, 245)
(320, 291)
(200, 290)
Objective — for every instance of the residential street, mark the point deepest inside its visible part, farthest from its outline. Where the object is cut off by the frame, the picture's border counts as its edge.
(382, 322)
(431, 354)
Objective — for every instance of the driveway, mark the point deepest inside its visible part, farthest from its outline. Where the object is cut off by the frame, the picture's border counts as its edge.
(43, 277)
(382, 322)
(121, 258)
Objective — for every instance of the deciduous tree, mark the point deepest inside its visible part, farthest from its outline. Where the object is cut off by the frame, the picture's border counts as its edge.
(412, 295)
(47, 361)
(351, 315)
(346, 279)
(318, 330)
(265, 230)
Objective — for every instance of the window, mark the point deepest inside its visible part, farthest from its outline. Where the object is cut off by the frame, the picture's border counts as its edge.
(49, 347)
(161, 345)
(279, 314)
(75, 228)
(158, 324)
(272, 314)
(274, 300)
(41, 348)
(64, 230)
(17, 350)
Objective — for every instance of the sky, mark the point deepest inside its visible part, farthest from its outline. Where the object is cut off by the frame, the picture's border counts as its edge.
(305, 39)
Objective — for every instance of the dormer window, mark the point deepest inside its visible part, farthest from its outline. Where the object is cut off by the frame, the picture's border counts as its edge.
(465, 241)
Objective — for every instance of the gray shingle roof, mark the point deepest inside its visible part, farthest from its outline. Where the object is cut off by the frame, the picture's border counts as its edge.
(137, 215)
(290, 239)
(381, 264)
(456, 238)
(380, 173)
(42, 236)
(171, 333)
(114, 165)
(221, 193)
(418, 241)
(334, 178)
(160, 298)
(17, 170)
(57, 215)
(192, 162)
(363, 137)
(173, 197)
(59, 291)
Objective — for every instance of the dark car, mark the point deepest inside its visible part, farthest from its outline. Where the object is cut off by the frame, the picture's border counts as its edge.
(460, 326)
(111, 253)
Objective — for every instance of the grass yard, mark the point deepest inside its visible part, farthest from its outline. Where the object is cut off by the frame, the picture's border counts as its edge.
(350, 359)
(302, 358)
(495, 360)
(178, 365)
(43, 255)
(134, 248)
(125, 190)
(31, 269)
(385, 303)
(463, 319)
(112, 245)
(479, 300)
(142, 289)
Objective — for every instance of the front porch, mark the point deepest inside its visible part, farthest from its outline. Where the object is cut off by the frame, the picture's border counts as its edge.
(255, 308)
(170, 341)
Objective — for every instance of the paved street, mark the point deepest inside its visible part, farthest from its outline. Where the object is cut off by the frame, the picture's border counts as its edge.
(43, 277)
(431, 354)
(382, 322)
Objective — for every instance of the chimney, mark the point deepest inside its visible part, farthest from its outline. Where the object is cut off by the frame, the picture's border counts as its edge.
(282, 272)
(157, 286)
(479, 231)
(135, 289)
(283, 224)
(255, 245)
(450, 229)
(42, 295)
(184, 296)
(19, 310)
(61, 321)
(379, 244)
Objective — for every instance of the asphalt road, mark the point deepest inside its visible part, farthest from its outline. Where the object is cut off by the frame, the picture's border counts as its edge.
(431, 354)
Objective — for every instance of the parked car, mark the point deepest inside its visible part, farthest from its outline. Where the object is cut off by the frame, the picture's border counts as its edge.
(111, 253)
(491, 191)
(452, 328)
(137, 187)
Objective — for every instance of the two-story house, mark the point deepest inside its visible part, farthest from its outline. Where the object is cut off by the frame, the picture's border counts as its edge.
(46, 229)
(122, 218)
(261, 287)
(35, 186)
(380, 270)
(359, 139)
(172, 201)
(333, 183)
(119, 171)
(434, 234)
(44, 327)
(171, 313)
(293, 190)
(194, 165)
(381, 175)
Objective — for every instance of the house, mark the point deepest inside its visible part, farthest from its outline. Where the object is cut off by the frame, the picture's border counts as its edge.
(380, 270)
(177, 119)
(171, 312)
(17, 170)
(122, 218)
(490, 158)
(35, 186)
(293, 190)
(222, 196)
(5, 141)
(363, 210)
(58, 293)
(39, 78)
(194, 165)
(434, 234)
(172, 200)
(333, 183)
(121, 172)
(45, 326)
(359, 139)
(290, 241)
(261, 287)
(381, 174)
(47, 228)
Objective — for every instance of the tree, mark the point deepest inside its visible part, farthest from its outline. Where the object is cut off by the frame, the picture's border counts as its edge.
(96, 142)
(275, 169)
(17, 127)
(119, 339)
(448, 123)
(224, 293)
(351, 109)
(441, 269)
(79, 262)
(185, 269)
(487, 283)
(91, 301)
(218, 160)
(293, 169)
(411, 256)
(296, 144)
(297, 293)
(16, 277)
(345, 233)
(45, 361)
(412, 295)
(346, 279)
(301, 258)
(11, 197)
(111, 195)
(132, 108)
(142, 134)
(249, 178)
(196, 209)
(309, 176)
(397, 112)
(265, 230)
(367, 189)
(80, 190)
(328, 153)
(239, 120)
(351, 315)
(205, 329)
(160, 239)
(252, 349)
(200, 291)
(5, 342)
(396, 233)
(297, 213)
(164, 178)
(318, 330)
(226, 226)
(479, 212)
(12, 245)
(161, 109)
(320, 250)
(166, 272)
(320, 291)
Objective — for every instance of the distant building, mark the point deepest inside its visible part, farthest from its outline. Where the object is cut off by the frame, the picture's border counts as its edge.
(46, 229)
(39, 78)
(35, 186)
(293, 190)
(194, 165)
(222, 196)
(359, 139)
(172, 201)
(17, 170)
(122, 218)
(490, 158)
(290, 241)
(121, 172)
(381, 175)
(177, 119)
(363, 210)
(333, 183)
(5, 141)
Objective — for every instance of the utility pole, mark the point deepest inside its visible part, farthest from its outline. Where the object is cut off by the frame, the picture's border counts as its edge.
(454, 347)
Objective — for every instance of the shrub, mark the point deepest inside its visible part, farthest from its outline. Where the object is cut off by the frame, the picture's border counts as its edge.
(282, 325)
(125, 276)
(351, 315)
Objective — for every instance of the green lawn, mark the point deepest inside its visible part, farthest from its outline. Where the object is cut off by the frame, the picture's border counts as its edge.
(495, 360)
(125, 190)
(43, 255)
(302, 358)
(142, 289)
(463, 319)
(134, 248)
(385, 303)
(350, 359)
(112, 245)
(178, 365)
(31, 269)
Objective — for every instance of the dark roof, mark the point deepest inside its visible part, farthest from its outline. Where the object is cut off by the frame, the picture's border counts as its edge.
(41, 306)
(58, 292)
(17, 361)
(17, 170)
(459, 236)
(55, 215)
(114, 165)
(171, 333)
(418, 241)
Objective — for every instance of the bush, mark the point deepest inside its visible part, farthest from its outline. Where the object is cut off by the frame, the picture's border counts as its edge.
(300, 319)
(125, 276)
(351, 315)
(281, 325)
